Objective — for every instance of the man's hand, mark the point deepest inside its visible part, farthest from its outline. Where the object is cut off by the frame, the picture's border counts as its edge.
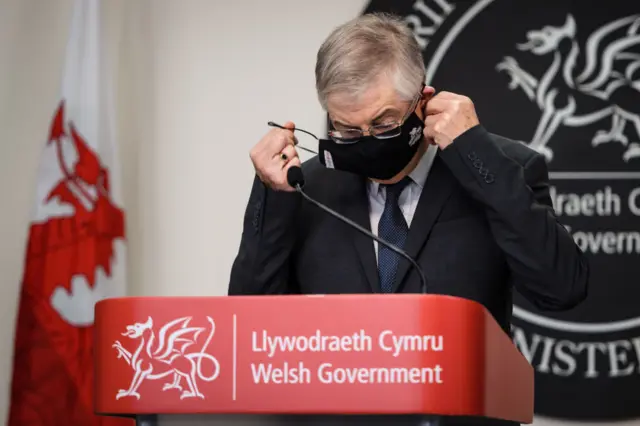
(274, 155)
(448, 116)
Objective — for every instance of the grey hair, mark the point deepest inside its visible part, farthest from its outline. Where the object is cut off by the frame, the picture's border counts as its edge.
(358, 52)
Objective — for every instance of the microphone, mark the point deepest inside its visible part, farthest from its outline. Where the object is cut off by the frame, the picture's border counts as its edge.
(295, 179)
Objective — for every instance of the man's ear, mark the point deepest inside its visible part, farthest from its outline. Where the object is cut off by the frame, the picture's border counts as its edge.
(422, 107)
(428, 92)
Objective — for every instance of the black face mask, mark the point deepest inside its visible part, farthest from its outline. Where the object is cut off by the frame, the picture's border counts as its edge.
(375, 158)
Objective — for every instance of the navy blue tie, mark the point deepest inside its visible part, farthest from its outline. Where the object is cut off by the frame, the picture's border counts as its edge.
(394, 229)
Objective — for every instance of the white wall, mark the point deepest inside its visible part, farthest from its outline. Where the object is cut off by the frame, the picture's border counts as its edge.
(198, 80)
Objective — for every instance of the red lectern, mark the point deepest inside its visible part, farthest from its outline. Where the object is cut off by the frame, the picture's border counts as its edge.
(347, 354)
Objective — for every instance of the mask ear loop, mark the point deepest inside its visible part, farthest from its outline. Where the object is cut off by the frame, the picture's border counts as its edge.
(272, 124)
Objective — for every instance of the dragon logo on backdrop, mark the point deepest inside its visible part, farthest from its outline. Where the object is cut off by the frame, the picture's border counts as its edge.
(609, 66)
(175, 352)
(564, 78)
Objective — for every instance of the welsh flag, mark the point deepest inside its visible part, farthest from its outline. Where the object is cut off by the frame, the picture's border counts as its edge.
(75, 251)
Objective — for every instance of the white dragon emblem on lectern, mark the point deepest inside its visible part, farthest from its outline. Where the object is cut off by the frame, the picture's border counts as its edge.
(167, 353)
(606, 70)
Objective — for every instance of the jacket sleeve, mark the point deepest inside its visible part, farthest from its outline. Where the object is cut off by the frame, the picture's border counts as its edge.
(262, 265)
(547, 266)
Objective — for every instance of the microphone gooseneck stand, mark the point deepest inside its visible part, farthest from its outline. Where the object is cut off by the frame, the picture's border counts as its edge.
(295, 179)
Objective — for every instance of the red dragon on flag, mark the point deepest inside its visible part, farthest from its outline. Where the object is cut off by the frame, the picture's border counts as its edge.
(68, 257)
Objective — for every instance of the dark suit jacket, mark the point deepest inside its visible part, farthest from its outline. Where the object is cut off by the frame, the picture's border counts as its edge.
(484, 225)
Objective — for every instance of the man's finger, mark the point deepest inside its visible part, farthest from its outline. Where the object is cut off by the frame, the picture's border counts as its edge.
(447, 95)
(290, 125)
(428, 131)
(278, 142)
(431, 120)
(278, 139)
(287, 154)
(436, 105)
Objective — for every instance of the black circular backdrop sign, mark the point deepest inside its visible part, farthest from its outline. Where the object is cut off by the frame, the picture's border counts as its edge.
(563, 77)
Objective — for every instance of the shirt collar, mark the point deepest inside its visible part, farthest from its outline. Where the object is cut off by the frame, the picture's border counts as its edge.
(419, 174)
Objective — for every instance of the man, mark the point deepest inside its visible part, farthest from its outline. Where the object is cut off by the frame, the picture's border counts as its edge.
(419, 170)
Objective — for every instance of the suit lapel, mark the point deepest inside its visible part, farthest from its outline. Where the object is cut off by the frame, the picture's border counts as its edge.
(358, 211)
(435, 193)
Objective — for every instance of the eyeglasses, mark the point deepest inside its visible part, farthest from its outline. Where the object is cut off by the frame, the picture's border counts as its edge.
(379, 131)
(351, 136)
(272, 124)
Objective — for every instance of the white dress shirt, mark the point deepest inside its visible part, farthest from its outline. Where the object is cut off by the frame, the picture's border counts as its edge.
(409, 197)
